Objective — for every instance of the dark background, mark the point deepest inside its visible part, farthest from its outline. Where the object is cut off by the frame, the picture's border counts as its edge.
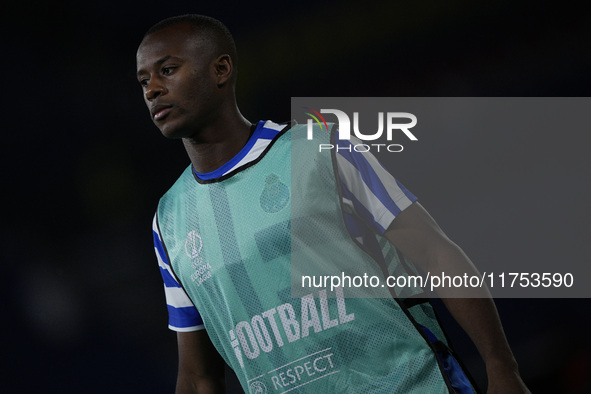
(83, 167)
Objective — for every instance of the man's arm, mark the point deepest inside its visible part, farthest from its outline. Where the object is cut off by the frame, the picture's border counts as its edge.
(201, 368)
(416, 234)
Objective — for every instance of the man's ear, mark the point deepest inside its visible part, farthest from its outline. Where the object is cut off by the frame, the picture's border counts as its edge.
(223, 69)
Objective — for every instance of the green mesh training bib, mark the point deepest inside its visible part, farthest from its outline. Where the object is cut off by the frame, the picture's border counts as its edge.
(231, 243)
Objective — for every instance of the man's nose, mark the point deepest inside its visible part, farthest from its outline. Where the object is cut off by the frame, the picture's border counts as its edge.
(154, 89)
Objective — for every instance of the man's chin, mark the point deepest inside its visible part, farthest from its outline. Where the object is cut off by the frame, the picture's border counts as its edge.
(170, 132)
(172, 136)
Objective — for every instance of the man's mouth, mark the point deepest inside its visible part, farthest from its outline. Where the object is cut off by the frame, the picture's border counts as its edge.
(160, 111)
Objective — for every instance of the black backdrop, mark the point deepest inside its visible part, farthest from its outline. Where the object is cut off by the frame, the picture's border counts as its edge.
(83, 167)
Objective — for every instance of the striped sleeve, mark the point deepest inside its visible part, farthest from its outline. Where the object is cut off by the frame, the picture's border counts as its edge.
(182, 314)
(368, 188)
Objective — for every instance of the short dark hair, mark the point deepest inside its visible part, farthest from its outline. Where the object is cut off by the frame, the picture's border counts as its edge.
(212, 29)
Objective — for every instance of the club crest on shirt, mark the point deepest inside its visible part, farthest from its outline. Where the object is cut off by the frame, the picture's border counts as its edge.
(275, 194)
(258, 387)
(193, 247)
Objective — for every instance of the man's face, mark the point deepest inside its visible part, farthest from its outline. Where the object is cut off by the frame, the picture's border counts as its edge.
(176, 71)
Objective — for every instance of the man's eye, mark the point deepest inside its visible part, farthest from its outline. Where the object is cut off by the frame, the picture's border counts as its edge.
(168, 70)
(144, 82)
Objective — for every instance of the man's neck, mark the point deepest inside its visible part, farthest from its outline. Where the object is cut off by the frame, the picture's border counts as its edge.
(217, 144)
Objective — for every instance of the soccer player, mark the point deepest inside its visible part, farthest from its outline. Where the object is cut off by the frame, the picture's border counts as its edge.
(226, 232)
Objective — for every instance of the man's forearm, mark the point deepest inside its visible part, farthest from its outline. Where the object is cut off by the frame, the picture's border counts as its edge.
(416, 234)
(473, 308)
(477, 315)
